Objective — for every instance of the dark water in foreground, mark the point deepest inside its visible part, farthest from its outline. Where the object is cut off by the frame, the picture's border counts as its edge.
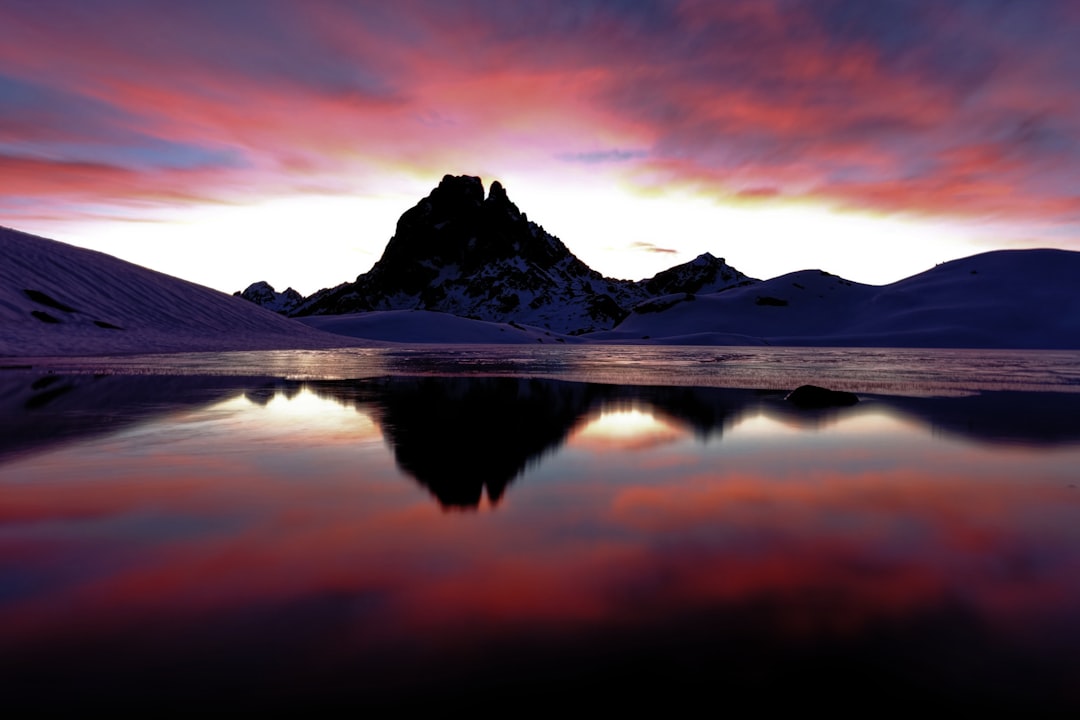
(505, 543)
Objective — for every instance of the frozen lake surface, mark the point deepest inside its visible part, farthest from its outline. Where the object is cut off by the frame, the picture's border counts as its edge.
(898, 371)
(589, 526)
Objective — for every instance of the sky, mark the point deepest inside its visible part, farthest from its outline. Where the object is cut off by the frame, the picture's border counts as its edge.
(230, 142)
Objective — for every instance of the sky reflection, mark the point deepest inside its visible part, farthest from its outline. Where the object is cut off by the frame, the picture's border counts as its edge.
(272, 546)
(626, 428)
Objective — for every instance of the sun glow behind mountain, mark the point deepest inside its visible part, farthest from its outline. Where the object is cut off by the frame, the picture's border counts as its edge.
(269, 141)
(625, 233)
(620, 232)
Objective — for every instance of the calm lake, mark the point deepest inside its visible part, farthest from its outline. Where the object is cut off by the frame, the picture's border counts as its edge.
(613, 527)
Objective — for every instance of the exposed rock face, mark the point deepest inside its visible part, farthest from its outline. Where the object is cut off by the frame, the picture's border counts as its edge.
(703, 274)
(460, 252)
(262, 293)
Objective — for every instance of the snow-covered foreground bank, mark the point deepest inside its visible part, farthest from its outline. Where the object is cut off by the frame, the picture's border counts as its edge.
(56, 299)
(424, 326)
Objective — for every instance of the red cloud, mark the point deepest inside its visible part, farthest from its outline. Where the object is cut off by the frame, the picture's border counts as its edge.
(728, 97)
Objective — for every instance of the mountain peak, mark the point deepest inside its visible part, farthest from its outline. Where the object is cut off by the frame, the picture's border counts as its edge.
(479, 257)
(457, 188)
(263, 293)
(499, 203)
(704, 274)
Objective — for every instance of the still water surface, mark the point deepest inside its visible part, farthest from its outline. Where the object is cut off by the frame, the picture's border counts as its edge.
(882, 370)
(177, 538)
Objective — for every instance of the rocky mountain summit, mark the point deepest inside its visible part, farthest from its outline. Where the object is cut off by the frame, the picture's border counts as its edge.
(262, 293)
(479, 257)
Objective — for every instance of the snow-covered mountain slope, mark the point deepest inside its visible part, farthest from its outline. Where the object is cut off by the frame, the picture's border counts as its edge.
(263, 294)
(704, 274)
(461, 253)
(56, 299)
(1002, 299)
(424, 326)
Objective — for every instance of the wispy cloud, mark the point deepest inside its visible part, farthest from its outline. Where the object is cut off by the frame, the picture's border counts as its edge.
(650, 247)
(600, 157)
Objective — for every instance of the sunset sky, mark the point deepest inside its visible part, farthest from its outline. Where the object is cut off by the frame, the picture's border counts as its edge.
(229, 142)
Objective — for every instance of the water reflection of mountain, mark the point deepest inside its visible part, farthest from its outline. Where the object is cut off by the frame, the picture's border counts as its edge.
(464, 437)
(39, 411)
(1022, 418)
(461, 437)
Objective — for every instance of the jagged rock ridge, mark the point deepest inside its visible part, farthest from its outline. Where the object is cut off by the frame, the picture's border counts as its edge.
(262, 293)
(460, 252)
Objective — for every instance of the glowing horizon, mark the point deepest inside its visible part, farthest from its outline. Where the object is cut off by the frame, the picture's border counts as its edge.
(278, 141)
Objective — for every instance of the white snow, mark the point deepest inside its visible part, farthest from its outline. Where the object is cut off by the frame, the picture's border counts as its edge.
(115, 307)
(425, 326)
(1002, 299)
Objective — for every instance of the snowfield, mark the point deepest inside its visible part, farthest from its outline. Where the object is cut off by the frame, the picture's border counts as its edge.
(1023, 299)
(57, 299)
(425, 326)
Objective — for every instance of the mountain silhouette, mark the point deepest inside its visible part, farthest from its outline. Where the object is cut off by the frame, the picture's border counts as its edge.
(466, 437)
(479, 257)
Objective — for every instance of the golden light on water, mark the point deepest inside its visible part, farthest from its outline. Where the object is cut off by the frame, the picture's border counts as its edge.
(627, 428)
(307, 414)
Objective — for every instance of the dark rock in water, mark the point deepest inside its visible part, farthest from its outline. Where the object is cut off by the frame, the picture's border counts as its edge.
(812, 396)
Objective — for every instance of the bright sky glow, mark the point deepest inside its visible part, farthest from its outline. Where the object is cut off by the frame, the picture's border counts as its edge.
(279, 141)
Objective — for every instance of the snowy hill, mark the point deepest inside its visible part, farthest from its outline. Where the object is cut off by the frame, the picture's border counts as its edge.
(1003, 299)
(482, 258)
(56, 299)
(425, 326)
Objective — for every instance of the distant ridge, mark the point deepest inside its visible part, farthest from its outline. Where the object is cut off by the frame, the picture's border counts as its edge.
(262, 293)
(479, 257)
(1024, 299)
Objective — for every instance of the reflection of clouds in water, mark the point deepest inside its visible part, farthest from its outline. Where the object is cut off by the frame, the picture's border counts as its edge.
(292, 515)
(301, 411)
(886, 543)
